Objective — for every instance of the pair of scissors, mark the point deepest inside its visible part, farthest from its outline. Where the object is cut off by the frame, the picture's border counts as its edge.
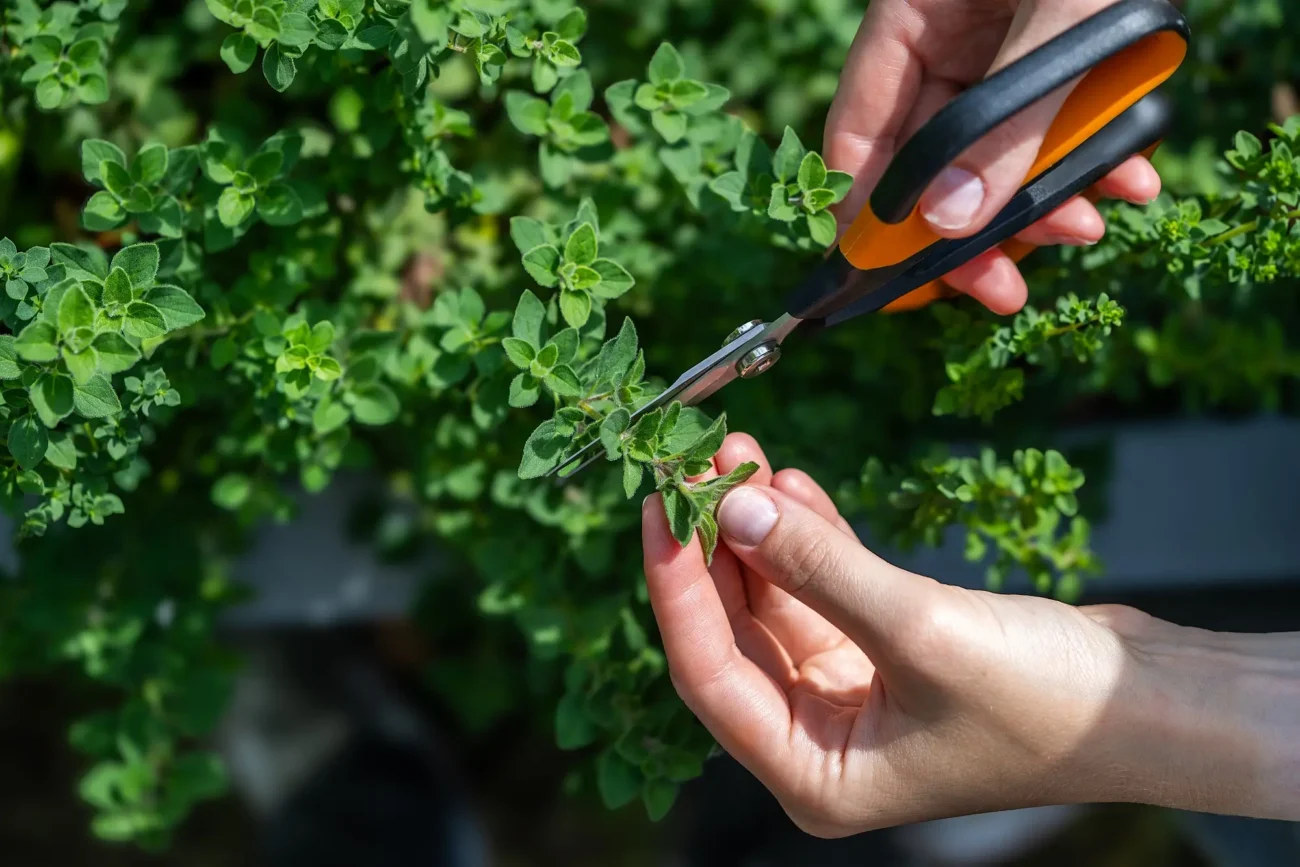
(889, 259)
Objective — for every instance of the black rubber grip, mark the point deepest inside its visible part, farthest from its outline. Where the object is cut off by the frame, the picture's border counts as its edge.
(982, 108)
(837, 291)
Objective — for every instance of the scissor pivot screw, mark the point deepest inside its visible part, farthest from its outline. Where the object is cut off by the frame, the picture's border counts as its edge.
(742, 331)
(758, 360)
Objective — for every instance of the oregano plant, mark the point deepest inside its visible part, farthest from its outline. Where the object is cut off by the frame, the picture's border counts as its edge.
(249, 245)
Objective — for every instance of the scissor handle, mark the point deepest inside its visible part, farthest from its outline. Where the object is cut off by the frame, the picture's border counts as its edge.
(1123, 53)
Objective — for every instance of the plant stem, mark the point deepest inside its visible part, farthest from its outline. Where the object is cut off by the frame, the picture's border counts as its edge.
(1244, 228)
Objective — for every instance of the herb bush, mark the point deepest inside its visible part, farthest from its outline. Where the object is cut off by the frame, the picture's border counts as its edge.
(252, 244)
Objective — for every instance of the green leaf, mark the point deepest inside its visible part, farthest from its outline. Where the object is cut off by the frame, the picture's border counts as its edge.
(527, 113)
(520, 352)
(682, 512)
(703, 449)
(543, 451)
(86, 54)
(231, 491)
(296, 30)
(819, 199)
(666, 65)
(1247, 145)
(75, 310)
(575, 306)
(117, 288)
(144, 321)
(49, 93)
(564, 53)
(715, 98)
(708, 531)
(82, 365)
(581, 247)
(540, 263)
(93, 90)
(563, 381)
(233, 207)
(115, 353)
(45, 49)
(788, 157)
(178, 309)
(614, 279)
(686, 93)
(812, 173)
(279, 68)
(821, 227)
(329, 415)
(51, 397)
(617, 779)
(669, 124)
(327, 368)
(280, 206)
(95, 398)
(839, 183)
(779, 207)
(375, 404)
(527, 233)
(658, 796)
(150, 164)
(239, 50)
(612, 428)
(140, 262)
(116, 179)
(264, 166)
(578, 87)
(525, 389)
(36, 342)
(631, 477)
(617, 355)
(27, 442)
(566, 345)
(573, 728)
(530, 315)
(547, 357)
(62, 451)
(102, 212)
(331, 34)
(9, 367)
(96, 151)
(584, 278)
(573, 25)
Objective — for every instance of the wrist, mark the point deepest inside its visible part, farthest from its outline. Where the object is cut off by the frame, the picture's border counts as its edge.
(1213, 723)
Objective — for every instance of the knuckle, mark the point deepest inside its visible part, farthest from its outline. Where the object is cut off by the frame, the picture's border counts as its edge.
(804, 560)
(1123, 619)
(826, 821)
(934, 631)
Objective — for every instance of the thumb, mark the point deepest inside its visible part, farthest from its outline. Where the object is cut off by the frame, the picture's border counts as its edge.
(969, 193)
(791, 546)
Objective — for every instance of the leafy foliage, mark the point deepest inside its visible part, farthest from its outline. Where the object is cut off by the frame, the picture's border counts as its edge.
(254, 244)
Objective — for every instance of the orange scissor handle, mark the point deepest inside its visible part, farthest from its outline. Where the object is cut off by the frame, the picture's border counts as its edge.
(1015, 249)
(1123, 53)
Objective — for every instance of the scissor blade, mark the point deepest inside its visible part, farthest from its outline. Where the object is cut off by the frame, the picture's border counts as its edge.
(695, 385)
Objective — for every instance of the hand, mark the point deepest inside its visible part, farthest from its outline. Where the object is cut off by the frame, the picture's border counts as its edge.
(910, 58)
(865, 696)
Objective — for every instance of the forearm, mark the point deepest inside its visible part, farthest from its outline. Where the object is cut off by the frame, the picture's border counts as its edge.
(1215, 724)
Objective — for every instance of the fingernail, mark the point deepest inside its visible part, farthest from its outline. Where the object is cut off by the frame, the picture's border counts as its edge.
(747, 516)
(953, 199)
(1067, 240)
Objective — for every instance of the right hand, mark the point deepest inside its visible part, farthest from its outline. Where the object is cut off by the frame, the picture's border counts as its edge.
(864, 696)
(909, 59)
